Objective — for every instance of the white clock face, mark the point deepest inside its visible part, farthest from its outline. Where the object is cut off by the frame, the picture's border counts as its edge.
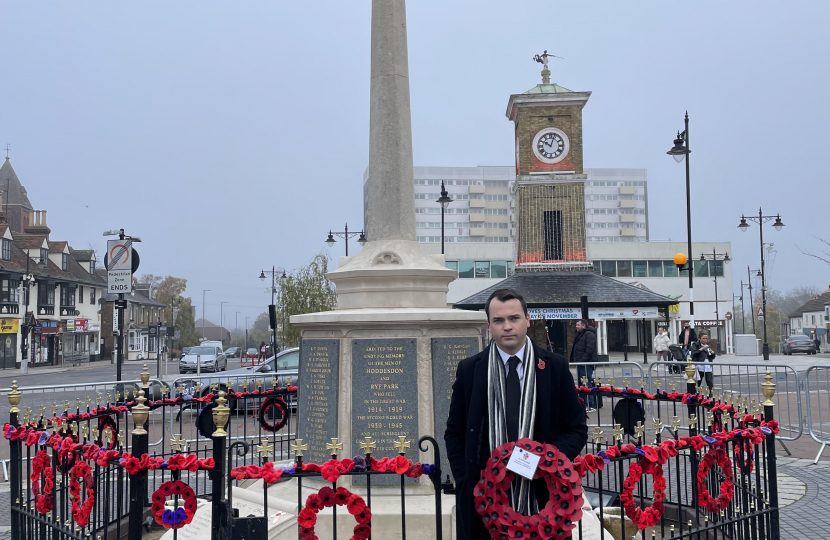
(551, 145)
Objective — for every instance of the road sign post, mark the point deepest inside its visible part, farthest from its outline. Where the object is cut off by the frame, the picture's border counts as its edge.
(121, 261)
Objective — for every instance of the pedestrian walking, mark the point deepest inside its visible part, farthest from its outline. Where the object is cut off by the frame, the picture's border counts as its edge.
(661, 345)
(704, 355)
(585, 350)
(687, 337)
(263, 351)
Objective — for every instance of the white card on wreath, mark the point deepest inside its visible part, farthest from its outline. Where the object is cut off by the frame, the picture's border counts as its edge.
(523, 463)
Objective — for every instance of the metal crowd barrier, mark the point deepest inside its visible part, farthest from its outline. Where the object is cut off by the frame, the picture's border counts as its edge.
(817, 392)
(740, 383)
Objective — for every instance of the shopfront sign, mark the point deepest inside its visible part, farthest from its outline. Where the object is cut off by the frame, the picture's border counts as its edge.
(9, 326)
(48, 327)
(709, 323)
(624, 313)
(81, 325)
(555, 313)
(70, 325)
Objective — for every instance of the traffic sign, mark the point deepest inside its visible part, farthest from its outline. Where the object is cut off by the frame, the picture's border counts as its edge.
(728, 315)
(760, 314)
(121, 260)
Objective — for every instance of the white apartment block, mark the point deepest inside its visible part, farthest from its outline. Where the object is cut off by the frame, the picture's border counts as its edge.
(616, 205)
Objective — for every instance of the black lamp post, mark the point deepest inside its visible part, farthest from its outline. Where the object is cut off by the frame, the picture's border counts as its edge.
(679, 152)
(760, 220)
(346, 234)
(743, 315)
(443, 200)
(273, 306)
(716, 257)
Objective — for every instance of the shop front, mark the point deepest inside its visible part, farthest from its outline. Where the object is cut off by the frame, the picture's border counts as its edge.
(79, 342)
(46, 343)
(9, 329)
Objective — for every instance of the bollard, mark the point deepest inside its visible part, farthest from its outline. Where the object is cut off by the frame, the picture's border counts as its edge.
(219, 515)
(768, 388)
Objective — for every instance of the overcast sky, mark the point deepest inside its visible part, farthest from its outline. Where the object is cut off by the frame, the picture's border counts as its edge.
(231, 136)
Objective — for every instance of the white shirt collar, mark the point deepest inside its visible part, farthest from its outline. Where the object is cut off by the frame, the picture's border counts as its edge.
(505, 357)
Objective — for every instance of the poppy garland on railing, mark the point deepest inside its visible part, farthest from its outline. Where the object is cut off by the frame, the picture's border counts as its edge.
(328, 497)
(715, 456)
(268, 404)
(332, 469)
(562, 511)
(651, 515)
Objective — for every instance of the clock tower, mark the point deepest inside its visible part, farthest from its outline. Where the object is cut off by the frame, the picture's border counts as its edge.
(550, 183)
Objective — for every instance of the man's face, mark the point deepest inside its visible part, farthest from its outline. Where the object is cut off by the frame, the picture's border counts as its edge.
(686, 326)
(704, 340)
(579, 326)
(508, 323)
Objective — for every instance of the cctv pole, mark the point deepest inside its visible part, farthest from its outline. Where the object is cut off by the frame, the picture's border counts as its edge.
(120, 307)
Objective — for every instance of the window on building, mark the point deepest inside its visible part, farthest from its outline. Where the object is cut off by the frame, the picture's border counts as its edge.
(7, 249)
(92, 295)
(701, 268)
(669, 269)
(44, 255)
(609, 268)
(482, 269)
(640, 269)
(80, 294)
(597, 267)
(46, 294)
(9, 291)
(716, 268)
(64, 262)
(452, 265)
(498, 269)
(655, 268)
(91, 267)
(67, 296)
(509, 268)
(466, 269)
(623, 268)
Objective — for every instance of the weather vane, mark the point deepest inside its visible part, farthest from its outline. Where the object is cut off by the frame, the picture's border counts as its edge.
(543, 58)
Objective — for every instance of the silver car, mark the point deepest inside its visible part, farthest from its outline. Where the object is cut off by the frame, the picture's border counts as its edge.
(209, 358)
(285, 367)
(799, 343)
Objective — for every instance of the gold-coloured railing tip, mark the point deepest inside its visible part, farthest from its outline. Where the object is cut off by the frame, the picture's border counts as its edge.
(402, 444)
(597, 435)
(298, 447)
(367, 445)
(334, 446)
(584, 380)
(221, 413)
(768, 388)
(145, 376)
(626, 383)
(265, 448)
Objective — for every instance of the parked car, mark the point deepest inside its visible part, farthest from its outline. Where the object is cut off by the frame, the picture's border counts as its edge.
(210, 358)
(232, 352)
(285, 367)
(799, 343)
(185, 350)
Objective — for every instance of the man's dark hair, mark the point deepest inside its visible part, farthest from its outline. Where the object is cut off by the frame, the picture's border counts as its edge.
(503, 295)
(584, 322)
(700, 335)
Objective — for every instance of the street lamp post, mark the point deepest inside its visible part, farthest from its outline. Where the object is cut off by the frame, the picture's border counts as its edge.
(28, 320)
(203, 311)
(273, 306)
(679, 152)
(346, 234)
(222, 322)
(741, 298)
(444, 200)
(121, 306)
(760, 220)
(716, 257)
(751, 298)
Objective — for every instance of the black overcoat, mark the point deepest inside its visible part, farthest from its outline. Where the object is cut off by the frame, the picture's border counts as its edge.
(560, 420)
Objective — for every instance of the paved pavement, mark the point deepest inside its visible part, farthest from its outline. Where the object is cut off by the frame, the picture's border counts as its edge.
(806, 517)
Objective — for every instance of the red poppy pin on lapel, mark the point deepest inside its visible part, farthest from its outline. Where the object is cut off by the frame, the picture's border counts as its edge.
(541, 364)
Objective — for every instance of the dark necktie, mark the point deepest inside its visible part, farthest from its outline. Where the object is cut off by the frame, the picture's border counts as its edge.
(513, 395)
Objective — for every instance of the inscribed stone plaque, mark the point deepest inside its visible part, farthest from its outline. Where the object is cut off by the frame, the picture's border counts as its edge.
(318, 393)
(385, 398)
(446, 353)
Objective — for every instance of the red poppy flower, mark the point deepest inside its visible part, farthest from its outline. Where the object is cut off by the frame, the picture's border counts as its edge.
(402, 465)
(364, 517)
(313, 502)
(355, 505)
(326, 495)
(416, 471)
(307, 533)
(346, 466)
(362, 532)
(331, 470)
(307, 518)
(342, 496)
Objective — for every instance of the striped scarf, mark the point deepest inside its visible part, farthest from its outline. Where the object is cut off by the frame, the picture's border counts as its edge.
(521, 494)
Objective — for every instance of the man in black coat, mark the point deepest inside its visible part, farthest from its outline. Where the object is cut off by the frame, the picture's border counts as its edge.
(585, 350)
(560, 418)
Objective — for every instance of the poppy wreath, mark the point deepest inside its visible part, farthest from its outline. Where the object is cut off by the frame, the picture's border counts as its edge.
(107, 422)
(715, 456)
(181, 516)
(651, 515)
(328, 497)
(263, 414)
(42, 465)
(559, 516)
(81, 512)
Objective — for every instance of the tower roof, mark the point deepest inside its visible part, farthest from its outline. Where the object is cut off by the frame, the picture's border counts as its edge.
(17, 193)
(548, 89)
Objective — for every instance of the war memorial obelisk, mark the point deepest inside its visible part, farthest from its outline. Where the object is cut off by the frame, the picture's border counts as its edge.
(382, 364)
